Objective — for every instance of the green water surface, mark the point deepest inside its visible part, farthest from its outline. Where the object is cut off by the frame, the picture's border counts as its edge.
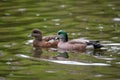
(90, 19)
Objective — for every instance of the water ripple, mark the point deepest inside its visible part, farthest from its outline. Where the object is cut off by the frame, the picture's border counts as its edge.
(105, 58)
(117, 62)
(29, 42)
(116, 19)
(78, 63)
(67, 62)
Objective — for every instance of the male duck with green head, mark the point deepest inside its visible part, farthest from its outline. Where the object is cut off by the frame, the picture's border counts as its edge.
(75, 44)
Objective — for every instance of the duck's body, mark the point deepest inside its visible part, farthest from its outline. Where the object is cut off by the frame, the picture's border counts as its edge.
(75, 44)
(43, 42)
(71, 45)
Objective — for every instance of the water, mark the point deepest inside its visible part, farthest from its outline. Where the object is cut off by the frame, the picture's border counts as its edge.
(89, 19)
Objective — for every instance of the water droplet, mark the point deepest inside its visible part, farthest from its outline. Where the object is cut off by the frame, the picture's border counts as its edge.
(45, 26)
(100, 27)
(21, 9)
(7, 46)
(117, 62)
(115, 48)
(44, 19)
(37, 14)
(49, 71)
(63, 6)
(55, 20)
(115, 38)
(116, 19)
(29, 42)
(79, 33)
(113, 8)
(57, 24)
(10, 74)
(10, 59)
(84, 19)
(108, 61)
(111, 55)
(7, 14)
(110, 5)
(98, 75)
(8, 62)
(70, 14)
(87, 28)
(73, 34)
(101, 12)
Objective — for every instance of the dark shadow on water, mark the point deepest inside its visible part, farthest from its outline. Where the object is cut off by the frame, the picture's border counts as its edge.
(98, 52)
(63, 55)
(37, 53)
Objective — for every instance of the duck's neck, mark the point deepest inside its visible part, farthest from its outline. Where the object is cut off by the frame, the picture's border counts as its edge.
(64, 39)
(38, 38)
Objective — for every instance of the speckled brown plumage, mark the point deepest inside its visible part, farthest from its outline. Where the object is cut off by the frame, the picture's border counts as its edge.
(46, 42)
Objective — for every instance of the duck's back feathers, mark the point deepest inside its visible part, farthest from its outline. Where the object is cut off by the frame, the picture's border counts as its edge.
(43, 42)
(71, 46)
(96, 44)
(79, 41)
(48, 38)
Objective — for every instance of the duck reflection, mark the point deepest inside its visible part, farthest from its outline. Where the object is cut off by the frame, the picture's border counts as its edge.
(37, 53)
(98, 52)
(62, 54)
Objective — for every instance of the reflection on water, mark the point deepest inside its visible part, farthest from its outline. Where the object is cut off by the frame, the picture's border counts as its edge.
(79, 63)
(63, 57)
(61, 60)
(116, 19)
(37, 53)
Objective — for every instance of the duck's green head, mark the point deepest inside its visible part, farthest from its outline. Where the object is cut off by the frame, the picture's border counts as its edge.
(63, 35)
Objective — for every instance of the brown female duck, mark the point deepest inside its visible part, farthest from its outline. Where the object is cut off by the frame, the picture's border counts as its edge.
(43, 42)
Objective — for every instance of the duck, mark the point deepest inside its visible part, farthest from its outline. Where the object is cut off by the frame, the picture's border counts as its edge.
(43, 42)
(75, 44)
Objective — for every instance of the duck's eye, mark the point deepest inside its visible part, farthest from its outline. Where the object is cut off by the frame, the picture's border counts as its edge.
(59, 33)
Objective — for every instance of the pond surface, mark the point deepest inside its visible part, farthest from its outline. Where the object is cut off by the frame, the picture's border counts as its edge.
(89, 19)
